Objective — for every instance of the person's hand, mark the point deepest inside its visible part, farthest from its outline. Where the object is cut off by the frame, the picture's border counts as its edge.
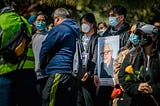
(116, 67)
(145, 88)
(96, 80)
(117, 91)
(85, 77)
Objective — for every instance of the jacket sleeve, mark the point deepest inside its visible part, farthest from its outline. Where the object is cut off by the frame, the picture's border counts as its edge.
(130, 86)
(94, 51)
(48, 46)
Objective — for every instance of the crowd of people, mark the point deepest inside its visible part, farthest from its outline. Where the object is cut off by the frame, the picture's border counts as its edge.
(45, 78)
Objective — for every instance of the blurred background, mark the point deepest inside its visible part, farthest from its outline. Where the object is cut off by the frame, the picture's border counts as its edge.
(137, 10)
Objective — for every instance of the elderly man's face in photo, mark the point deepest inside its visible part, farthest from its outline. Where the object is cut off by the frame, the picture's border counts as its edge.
(106, 53)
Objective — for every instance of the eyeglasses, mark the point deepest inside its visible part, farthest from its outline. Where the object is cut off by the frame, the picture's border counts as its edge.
(105, 52)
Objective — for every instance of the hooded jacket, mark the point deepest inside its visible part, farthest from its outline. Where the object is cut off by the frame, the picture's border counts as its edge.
(60, 45)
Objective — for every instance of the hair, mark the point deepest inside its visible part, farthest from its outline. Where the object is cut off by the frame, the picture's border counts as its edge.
(41, 13)
(108, 46)
(155, 48)
(104, 23)
(89, 17)
(62, 12)
(138, 25)
(118, 9)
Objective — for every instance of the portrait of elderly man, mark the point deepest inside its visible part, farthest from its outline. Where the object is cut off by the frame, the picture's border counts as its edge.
(107, 61)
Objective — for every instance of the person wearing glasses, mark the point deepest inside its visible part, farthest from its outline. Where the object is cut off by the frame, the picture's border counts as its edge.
(107, 64)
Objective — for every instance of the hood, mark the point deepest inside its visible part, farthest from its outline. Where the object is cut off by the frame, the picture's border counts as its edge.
(72, 24)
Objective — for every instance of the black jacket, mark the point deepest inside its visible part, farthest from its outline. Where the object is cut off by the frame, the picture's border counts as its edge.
(152, 76)
(122, 32)
(92, 48)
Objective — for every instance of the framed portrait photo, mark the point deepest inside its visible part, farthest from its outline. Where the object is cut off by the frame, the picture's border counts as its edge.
(108, 48)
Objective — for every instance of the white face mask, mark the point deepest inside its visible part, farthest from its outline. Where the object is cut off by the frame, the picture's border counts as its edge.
(85, 28)
(101, 31)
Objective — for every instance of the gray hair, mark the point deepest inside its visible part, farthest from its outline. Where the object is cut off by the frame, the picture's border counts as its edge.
(62, 12)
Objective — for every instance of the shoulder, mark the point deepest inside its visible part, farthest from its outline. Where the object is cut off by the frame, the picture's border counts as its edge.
(60, 28)
(107, 32)
(27, 24)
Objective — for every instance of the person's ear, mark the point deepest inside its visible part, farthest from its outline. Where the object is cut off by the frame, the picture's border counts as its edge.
(121, 17)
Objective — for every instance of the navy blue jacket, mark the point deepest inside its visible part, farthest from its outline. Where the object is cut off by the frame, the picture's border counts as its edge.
(60, 45)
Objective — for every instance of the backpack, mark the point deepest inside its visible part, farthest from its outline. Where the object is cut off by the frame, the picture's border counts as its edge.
(15, 50)
(78, 69)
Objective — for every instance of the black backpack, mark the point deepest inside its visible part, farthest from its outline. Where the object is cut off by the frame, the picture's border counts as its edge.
(15, 50)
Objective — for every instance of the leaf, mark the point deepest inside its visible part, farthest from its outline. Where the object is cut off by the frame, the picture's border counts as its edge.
(128, 77)
(137, 72)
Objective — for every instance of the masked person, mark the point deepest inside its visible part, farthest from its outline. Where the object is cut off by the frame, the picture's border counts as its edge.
(117, 26)
(89, 40)
(17, 81)
(131, 49)
(102, 27)
(139, 76)
(37, 39)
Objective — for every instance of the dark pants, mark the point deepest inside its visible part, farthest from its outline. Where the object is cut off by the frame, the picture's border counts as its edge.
(89, 92)
(84, 98)
(104, 96)
(60, 90)
(19, 89)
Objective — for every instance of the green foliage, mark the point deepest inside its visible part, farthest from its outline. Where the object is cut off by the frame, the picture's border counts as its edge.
(138, 10)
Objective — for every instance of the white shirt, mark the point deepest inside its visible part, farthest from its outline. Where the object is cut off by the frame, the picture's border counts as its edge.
(37, 40)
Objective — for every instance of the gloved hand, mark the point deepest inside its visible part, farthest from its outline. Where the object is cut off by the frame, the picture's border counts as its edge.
(117, 91)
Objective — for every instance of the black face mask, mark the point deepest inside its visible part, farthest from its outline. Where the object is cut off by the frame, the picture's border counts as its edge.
(145, 41)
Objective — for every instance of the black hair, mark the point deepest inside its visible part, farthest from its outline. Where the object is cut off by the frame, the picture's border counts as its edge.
(41, 13)
(118, 9)
(89, 17)
(2, 4)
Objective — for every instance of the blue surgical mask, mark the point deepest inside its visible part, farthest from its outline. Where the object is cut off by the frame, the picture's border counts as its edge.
(40, 25)
(113, 21)
(134, 38)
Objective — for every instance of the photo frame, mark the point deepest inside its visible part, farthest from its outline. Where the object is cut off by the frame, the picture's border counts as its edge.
(108, 48)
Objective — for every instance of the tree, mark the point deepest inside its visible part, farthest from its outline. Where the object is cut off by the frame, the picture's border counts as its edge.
(138, 10)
